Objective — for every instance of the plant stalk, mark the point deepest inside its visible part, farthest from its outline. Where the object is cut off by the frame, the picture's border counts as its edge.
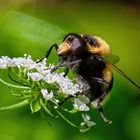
(14, 86)
(15, 106)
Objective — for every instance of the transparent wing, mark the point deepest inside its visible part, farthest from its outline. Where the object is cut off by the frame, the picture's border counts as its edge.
(123, 74)
(113, 59)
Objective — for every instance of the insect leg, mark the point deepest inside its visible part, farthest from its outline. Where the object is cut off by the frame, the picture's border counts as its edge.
(100, 80)
(66, 72)
(106, 90)
(50, 49)
(58, 66)
(48, 52)
(102, 113)
(103, 94)
(65, 64)
(70, 96)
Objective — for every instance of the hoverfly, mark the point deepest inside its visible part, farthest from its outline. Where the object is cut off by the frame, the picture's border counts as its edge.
(90, 60)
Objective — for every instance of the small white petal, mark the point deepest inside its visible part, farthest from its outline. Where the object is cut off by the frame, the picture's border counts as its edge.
(82, 123)
(35, 76)
(84, 99)
(55, 107)
(86, 117)
(5, 62)
(56, 100)
(87, 120)
(80, 105)
(46, 94)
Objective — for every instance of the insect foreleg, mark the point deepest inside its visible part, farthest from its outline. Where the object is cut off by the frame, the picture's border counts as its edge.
(66, 72)
(50, 49)
(99, 107)
(48, 52)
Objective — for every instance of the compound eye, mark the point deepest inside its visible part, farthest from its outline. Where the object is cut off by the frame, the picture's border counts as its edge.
(94, 43)
(69, 40)
(91, 41)
(76, 43)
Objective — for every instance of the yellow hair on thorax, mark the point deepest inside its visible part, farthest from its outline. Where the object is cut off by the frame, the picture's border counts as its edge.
(103, 48)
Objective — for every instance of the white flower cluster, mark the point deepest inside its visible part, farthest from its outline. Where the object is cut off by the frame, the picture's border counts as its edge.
(41, 72)
(25, 62)
(87, 123)
(65, 83)
(80, 106)
(36, 72)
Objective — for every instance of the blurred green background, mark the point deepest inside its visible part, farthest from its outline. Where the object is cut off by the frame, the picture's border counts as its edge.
(118, 22)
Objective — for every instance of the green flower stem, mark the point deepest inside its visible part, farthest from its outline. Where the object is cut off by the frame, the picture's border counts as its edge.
(14, 86)
(15, 106)
(22, 79)
(45, 108)
(66, 110)
(72, 124)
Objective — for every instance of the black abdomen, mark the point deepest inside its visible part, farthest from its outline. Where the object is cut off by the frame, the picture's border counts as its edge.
(88, 71)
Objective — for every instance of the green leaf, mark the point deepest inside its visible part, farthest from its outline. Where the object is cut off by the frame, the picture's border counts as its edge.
(32, 29)
(112, 59)
(74, 110)
(35, 106)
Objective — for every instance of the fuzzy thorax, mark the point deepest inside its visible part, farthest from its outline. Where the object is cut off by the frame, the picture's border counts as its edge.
(103, 49)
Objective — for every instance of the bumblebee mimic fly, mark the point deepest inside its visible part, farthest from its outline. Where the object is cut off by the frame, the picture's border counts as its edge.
(90, 60)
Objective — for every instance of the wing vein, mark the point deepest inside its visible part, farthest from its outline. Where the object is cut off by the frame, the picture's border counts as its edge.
(123, 74)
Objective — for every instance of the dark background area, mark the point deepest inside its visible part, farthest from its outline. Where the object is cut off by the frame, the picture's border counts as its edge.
(118, 22)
